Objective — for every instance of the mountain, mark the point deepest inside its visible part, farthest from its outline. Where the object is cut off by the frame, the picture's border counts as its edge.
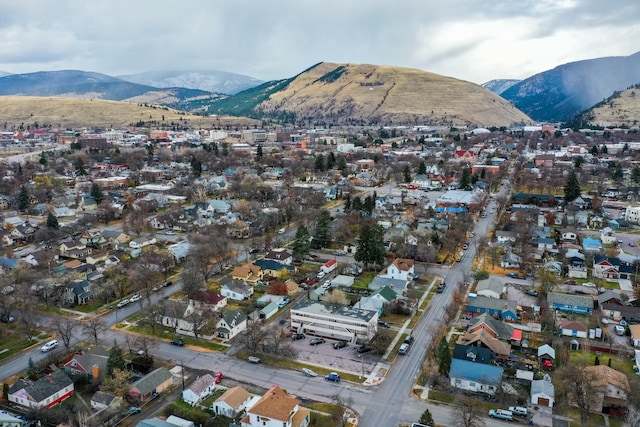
(79, 84)
(622, 109)
(352, 93)
(4, 73)
(559, 94)
(499, 85)
(209, 81)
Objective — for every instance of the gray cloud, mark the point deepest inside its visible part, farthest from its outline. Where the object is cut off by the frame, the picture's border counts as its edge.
(475, 40)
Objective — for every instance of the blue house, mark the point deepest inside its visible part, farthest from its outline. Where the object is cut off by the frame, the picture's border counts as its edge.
(475, 377)
(503, 308)
(582, 304)
(591, 245)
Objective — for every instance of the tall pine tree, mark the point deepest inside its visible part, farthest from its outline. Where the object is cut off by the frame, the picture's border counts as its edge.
(572, 188)
(370, 245)
(322, 235)
(444, 357)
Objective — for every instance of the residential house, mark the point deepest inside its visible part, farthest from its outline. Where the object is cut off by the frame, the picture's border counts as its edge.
(47, 391)
(276, 409)
(154, 382)
(510, 261)
(610, 297)
(504, 309)
(274, 268)
(554, 266)
(238, 229)
(475, 377)
(611, 388)
(89, 366)
(504, 237)
(280, 255)
(209, 300)
(572, 303)
(101, 400)
(115, 238)
(179, 250)
(543, 392)
(574, 328)
(175, 314)
(78, 292)
(574, 257)
(23, 232)
(142, 242)
(232, 402)
(397, 285)
(608, 236)
(365, 303)
(569, 235)
(7, 420)
(472, 353)
(591, 245)
(93, 239)
(628, 313)
(74, 249)
(200, 389)
(231, 324)
(491, 287)
(400, 268)
(385, 294)
(332, 321)
(249, 273)
(606, 268)
(236, 290)
(634, 331)
(496, 328)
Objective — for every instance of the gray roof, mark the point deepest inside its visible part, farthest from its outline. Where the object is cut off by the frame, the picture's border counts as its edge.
(543, 386)
(154, 422)
(44, 387)
(149, 382)
(567, 299)
(102, 397)
(491, 284)
(234, 317)
(335, 310)
(493, 303)
(503, 330)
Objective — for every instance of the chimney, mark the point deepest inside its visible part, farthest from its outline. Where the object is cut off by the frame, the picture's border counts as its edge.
(95, 373)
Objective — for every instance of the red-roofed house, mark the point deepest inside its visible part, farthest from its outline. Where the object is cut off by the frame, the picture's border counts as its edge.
(466, 156)
(400, 268)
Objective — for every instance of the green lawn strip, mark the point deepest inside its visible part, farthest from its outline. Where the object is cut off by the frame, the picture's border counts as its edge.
(362, 281)
(168, 335)
(297, 366)
(623, 365)
(325, 414)
(89, 308)
(441, 397)
(15, 344)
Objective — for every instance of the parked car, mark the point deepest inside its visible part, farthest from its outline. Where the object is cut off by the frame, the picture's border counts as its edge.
(178, 341)
(297, 337)
(501, 414)
(167, 283)
(308, 372)
(547, 365)
(333, 376)
(317, 341)
(339, 344)
(364, 349)
(284, 302)
(633, 245)
(123, 303)
(134, 410)
(320, 274)
(570, 282)
(135, 298)
(532, 292)
(589, 285)
(340, 253)
(49, 346)
(513, 275)
(253, 359)
(4, 317)
(384, 324)
(218, 377)
(440, 288)
(408, 339)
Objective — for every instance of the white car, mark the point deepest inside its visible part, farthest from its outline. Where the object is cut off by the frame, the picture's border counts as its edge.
(589, 285)
(135, 298)
(49, 346)
(123, 303)
(320, 274)
(309, 372)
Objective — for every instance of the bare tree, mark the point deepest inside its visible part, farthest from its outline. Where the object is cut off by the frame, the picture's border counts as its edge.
(255, 337)
(94, 328)
(199, 320)
(467, 412)
(65, 327)
(192, 278)
(576, 386)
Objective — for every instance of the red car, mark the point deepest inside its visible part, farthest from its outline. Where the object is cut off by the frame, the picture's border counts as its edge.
(547, 365)
(218, 377)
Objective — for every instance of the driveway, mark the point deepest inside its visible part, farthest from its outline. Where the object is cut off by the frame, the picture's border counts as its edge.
(345, 359)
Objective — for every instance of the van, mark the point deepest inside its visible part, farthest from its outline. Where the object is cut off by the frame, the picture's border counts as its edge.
(404, 349)
(281, 231)
(518, 410)
(49, 346)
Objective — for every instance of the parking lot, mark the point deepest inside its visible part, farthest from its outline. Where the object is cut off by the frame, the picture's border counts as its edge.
(345, 359)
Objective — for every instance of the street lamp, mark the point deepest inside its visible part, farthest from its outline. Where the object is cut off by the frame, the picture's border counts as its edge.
(361, 367)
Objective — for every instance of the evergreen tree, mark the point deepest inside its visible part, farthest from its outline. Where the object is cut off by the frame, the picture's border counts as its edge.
(444, 357)
(572, 188)
(422, 170)
(635, 174)
(301, 243)
(342, 163)
(115, 360)
(578, 162)
(96, 193)
(356, 204)
(426, 418)
(196, 167)
(369, 204)
(596, 362)
(331, 160)
(407, 174)
(370, 245)
(79, 166)
(259, 152)
(52, 221)
(465, 179)
(32, 370)
(225, 149)
(594, 150)
(322, 236)
(319, 163)
(215, 149)
(604, 149)
(618, 174)
(23, 199)
(347, 202)
(43, 159)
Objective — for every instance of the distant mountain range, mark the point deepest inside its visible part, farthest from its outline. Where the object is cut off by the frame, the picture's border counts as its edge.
(559, 94)
(500, 85)
(210, 81)
(622, 109)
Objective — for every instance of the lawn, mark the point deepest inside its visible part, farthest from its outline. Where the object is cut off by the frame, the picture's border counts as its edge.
(617, 363)
(12, 344)
(168, 335)
(362, 281)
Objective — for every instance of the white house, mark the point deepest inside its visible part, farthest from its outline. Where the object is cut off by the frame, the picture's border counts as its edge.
(47, 391)
(232, 402)
(236, 290)
(232, 323)
(276, 409)
(142, 242)
(491, 287)
(199, 389)
(400, 268)
(475, 377)
(505, 237)
(543, 392)
(607, 236)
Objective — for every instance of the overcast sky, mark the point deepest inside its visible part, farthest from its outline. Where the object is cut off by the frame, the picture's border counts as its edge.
(474, 40)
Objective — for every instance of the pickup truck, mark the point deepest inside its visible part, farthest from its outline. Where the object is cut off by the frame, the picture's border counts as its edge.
(501, 414)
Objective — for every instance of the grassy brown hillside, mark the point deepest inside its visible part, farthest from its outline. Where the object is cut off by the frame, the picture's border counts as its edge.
(385, 94)
(74, 113)
(623, 108)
